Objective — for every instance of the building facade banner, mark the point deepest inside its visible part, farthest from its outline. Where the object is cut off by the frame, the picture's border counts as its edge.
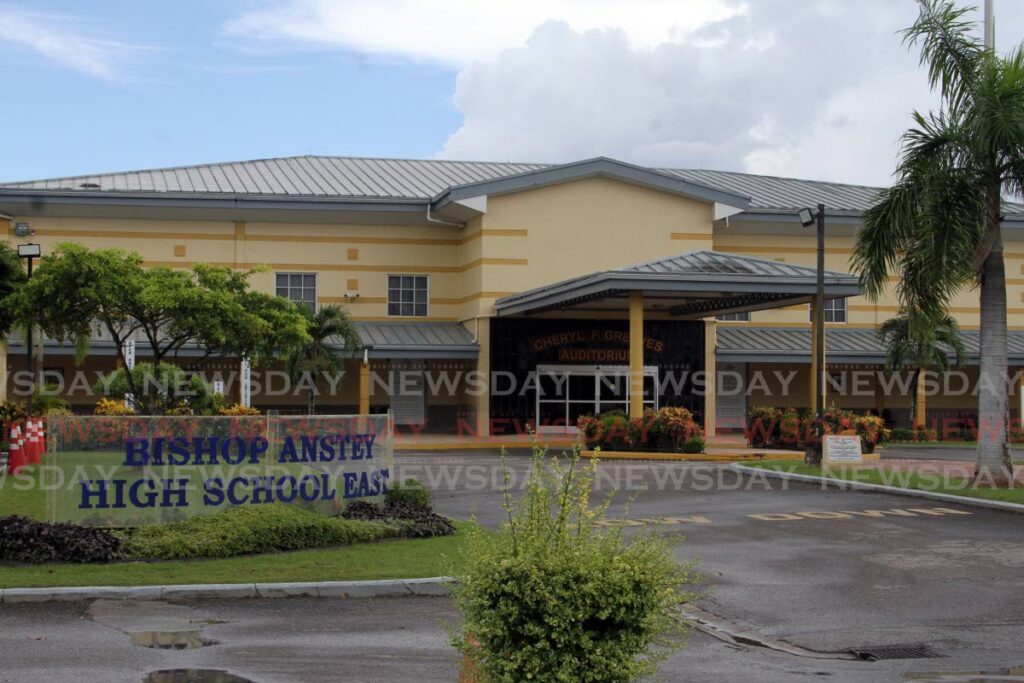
(125, 471)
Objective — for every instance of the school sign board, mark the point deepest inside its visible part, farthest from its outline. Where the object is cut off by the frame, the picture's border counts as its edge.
(131, 471)
(842, 450)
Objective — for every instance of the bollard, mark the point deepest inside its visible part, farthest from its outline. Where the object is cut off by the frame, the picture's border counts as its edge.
(32, 441)
(15, 454)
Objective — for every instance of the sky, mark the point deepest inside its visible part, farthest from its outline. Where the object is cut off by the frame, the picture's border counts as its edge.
(806, 88)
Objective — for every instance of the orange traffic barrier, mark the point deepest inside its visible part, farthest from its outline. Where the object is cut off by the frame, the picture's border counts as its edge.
(15, 453)
(30, 441)
(37, 441)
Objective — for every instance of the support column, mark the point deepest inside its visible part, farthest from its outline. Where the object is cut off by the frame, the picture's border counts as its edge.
(364, 386)
(636, 354)
(1020, 396)
(812, 384)
(711, 377)
(879, 391)
(483, 367)
(3, 370)
(920, 404)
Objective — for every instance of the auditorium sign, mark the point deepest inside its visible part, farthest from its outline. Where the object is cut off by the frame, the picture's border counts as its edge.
(594, 345)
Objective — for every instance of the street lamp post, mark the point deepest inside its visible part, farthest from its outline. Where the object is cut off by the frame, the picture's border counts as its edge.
(31, 252)
(808, 218)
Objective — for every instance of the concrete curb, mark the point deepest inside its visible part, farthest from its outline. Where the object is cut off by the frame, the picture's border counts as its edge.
(438, 585)
(880, 488)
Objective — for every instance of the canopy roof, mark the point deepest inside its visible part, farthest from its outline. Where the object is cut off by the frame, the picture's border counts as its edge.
(696, 284)
(755, 344)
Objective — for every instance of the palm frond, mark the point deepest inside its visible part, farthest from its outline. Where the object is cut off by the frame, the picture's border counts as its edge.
(950, 52)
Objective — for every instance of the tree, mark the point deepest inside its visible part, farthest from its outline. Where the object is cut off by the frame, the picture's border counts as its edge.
(211, 308)
(939, 224)
(158, 392)
(328, 327)
(12, 276)
(74, 289)
(922, 342)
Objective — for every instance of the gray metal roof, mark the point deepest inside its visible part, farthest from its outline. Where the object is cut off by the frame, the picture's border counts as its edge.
(853, 345)
(302, 176)
(363, 178)
(417, 340)
(715, 263)
(685, 283)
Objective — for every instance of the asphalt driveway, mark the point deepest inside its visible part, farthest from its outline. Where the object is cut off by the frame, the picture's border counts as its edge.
(826, 570)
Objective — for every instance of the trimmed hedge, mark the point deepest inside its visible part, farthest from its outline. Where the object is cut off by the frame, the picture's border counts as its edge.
(410, 492)
(26, 540)
(252, 529)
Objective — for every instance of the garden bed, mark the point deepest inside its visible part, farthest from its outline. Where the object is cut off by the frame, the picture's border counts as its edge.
(658, 432)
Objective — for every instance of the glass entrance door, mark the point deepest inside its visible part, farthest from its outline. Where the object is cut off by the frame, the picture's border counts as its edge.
(566, 392)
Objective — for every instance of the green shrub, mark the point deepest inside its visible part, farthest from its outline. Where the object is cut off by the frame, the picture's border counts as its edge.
(409, 492)
(902, 434)
(557, 596)
(665, 430)
(764, 426)
(693, 445)
(251, 529)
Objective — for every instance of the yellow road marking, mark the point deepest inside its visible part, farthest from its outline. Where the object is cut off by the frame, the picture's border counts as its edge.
(791, 516)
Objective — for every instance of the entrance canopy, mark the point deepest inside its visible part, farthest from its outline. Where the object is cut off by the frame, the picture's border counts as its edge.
(697, 284)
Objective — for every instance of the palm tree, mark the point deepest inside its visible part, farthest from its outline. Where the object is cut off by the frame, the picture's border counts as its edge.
(329, 328)
(939, 224)
(920, 341)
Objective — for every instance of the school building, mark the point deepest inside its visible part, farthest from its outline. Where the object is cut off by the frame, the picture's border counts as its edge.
(617, 285)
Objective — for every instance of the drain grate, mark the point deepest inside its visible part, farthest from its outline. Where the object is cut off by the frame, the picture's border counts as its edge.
(873, 654)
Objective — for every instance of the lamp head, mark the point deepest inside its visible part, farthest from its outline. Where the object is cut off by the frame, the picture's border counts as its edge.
(806, 217)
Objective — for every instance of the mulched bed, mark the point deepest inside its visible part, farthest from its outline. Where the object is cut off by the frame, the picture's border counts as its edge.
(420, 522)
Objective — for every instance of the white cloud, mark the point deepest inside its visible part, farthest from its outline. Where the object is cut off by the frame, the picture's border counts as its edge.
(815, 88)
(57, 39)
(458, 32)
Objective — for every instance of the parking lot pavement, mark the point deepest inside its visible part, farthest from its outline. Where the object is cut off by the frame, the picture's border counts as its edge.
(824, 569)
(302, 639)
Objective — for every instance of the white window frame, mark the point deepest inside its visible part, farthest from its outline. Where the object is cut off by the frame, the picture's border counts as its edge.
(831, 307)
(426, 302)
(727, 317)
(316, 287)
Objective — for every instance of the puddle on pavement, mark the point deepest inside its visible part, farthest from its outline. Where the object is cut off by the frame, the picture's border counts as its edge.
(1011, 675)
(194, 676)
(172, 640)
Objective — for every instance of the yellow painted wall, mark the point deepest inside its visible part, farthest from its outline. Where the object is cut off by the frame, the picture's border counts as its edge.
(538, 237)
(524, 240)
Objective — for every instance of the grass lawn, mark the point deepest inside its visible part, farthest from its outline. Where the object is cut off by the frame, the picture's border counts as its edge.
(19, 495)
(943, 444)
(388, 559)
(391, 559)
(924, 482)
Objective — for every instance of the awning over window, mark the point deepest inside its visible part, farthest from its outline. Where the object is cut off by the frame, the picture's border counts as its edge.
(753, 344)
(417, 340)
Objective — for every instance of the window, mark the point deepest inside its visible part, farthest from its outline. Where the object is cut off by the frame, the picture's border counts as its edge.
(835, 311)
(735, 317)
(407, 295)
(298, 287)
